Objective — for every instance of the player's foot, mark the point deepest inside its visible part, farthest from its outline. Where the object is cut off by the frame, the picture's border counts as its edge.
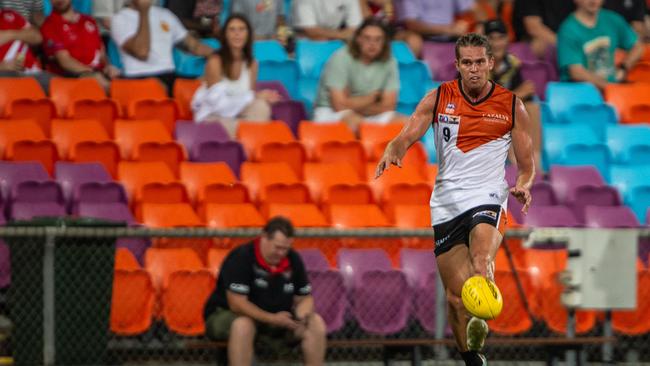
(477, 331)
(473, 358)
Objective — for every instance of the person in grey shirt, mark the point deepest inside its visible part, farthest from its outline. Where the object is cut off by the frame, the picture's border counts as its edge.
(266, 16)
(360, 81)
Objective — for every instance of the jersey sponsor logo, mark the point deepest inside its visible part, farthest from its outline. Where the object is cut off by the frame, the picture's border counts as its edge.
(448, 118)
(450, 108)
(486, 213)
(288, 288)
(496, 117)
(239, 287)
(260, 282)
(442, 240)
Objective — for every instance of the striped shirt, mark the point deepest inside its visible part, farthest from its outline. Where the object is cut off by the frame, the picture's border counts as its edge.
(26, 8)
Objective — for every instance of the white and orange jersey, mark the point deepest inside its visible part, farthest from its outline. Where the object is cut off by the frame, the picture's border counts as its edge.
(472, 142)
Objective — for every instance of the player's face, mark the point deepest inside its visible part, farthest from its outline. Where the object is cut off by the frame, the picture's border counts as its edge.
(61, 6)
(591, 6)
(371, 42)
(276, 247)
(236, 34)
(474, 66)
(499, 43)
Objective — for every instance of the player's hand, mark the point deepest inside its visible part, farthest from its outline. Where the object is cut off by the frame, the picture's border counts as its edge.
(523, 196)
(390, 157)
(285, 320)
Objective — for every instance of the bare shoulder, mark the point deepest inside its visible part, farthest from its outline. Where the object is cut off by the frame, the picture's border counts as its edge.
(429, 100)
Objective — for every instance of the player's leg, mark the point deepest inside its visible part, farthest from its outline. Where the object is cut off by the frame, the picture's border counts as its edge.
(240, 341)
(314, 341)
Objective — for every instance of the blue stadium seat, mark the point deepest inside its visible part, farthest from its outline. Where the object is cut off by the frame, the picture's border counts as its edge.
(412, 88)
(597, 117)
(629, 144)
(285, 72)
(626, 178)
(561, 96)
(547, 114)
(402, 52)
(288, 12)
(113, 54)
(269, 50)
(191, 66)
(430, 145)
(313, 55)
(82, 6)
(574, 144)
(639, 201)
(225, 11)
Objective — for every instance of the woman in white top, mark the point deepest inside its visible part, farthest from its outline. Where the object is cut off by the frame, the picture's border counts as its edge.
(228, 89)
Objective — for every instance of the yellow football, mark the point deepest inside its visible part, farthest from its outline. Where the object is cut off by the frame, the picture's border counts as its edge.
(482, 297)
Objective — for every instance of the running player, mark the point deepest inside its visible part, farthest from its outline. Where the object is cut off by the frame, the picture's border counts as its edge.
(474, 121)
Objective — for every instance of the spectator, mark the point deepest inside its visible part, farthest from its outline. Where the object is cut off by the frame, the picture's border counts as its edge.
(103, 11)
(507, 73)
(146, 35)
(323, 20)
(499, 9)
(537, 22)
(435, 19)
(201, 17)
(16, 36)
(587, 41)
(228, 89)
(73, 45)
(31, 10)
(263, 294)
(266, 17)
(360, 81)
(633, 11)
(385, 11)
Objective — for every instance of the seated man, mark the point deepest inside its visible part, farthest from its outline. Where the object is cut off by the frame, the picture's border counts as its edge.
(201, 17)
(266, 17)
(634, 11)
(73, 45)
(587, 41)
(263, 295)
(16, 37)
(537, 21)
(360, 81)
(325, 20)
(146, 35)
(437, 19)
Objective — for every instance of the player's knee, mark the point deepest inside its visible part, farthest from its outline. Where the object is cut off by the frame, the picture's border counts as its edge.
(243, 328)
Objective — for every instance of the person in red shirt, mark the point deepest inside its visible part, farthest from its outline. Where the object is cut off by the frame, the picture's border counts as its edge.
(16, 36)
(73, 45)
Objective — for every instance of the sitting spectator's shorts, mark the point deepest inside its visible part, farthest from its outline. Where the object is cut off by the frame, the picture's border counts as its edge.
(276, 339)
(327, 114)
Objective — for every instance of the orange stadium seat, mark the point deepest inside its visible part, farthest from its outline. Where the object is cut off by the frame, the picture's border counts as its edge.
(542, 265)
(130, 134)
(184, 90)
(407, 174)
(132, 302)
(320, 177)
(106, 152)
(197, 176)
(233, 215)
(64, 92)
(640, 73)
(68, 133)
(312, 135)
(127, 92)
(169, 215)
(105, 111)
(301, 215)
(223, 193)
(16, 130)
(271, 142)
(258, 176)
(164, 193)
(42, 111)
(357, 216)
(514, 318)
(375, 136)
(134, 175)
(125, 260)
(415, 155)
(635, 322)
(292, 153)
(184, 299)
(555, 314)
(216, 256)
(165, 111)
(162, 262)
(24, 140)
(43, 151)
(432, 173)
(23, 98)
(351, 152)
(625, 96)
(412, 216)
(404, 194)
(170, 152)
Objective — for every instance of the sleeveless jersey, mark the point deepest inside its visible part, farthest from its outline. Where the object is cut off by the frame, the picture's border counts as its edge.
(472, 142)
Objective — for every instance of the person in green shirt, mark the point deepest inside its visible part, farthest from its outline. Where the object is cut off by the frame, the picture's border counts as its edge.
(587, 41)
(360, 82)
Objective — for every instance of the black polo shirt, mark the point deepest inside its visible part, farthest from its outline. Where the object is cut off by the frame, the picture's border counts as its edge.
(245, 272)
(631, 10)
(552, 12)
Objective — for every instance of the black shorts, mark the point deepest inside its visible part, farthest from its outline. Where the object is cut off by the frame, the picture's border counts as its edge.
(456, 231)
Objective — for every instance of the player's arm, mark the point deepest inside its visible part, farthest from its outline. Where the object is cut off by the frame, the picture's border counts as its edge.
(416, 126)
(523, 148)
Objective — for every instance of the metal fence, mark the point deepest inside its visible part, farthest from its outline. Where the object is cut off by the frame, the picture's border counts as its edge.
(75, 300)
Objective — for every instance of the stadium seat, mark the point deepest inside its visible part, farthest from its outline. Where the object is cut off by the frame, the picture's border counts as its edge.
(575, 144)
(313, 55)
(12, 131)
(300, 214)
(287, 72)
(635, 322)
(68, 133)
(128, 92)
(593, 196)
(428, 140)
(640, 201)
(314, 259)
(169, 215)
(190, 65)
(409, 174)
(405, 194)
(134, 175)
(230, 152)
(640, 73)
(332, 308)
(610, 217)
(561, 96)
(105, 111)
(402, 52)
(540, 73)
(164, 111)
(565, 180)
(43, 151)
(30, 210)
(598, 117)
(544, 196)
(253, 135)
(191, 135)
(551, 216)
(23, 98)
(184, 90)
(72, 175)
(97, 192)
(269, 50)
(115, 211)
(555, 314)
(171, 153)
(125, 260)
(625, 96)
(629, 144)
(313, 135)
(321, 177)
(132, 302)
(412, 216)
(414, 75)
(372, 134)
(184, 299)
(627, 178)
(216, 256)
(197, 176)
(162, 262)
(233, 215)
(130, 134)
(437, 55)
(292, 153)
(258, 176)
(351, 152)
(356, 216)
(24, 140)
(514, 318)
(38, 192)
(65, 92)
(223, 193)
(13, 173)
(415, 155)
(107, 153)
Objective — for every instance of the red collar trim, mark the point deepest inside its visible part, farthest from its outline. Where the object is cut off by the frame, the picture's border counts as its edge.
(280, 268)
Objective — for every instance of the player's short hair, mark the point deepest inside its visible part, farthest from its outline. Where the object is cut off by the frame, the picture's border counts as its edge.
(355, 49)
(278, 223)
(473, 40)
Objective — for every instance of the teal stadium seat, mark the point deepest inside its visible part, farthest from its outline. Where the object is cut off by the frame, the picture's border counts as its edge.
(598, 117)
(561, 96)
(633, 183)
(191, 66)
(629, 144)
(312, 57)
(574, 144)
(430, 145)
(412, 88)
(82, 6)
(285, 72)
(269, 50)
(402, 52)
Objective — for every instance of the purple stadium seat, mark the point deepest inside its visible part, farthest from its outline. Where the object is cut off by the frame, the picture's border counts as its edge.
(419, 266)
(35, 191)
(610, 217)
(329, 298)
(290, 112)
(438, 55)
(540, 73)
(191, 134)
(447, 72)
(543, 195)
(13, 173)
(593, 196)
(30, 210)
(565, 180)
(424, 303)
(382, 304)
(511, 176)
(71, 175)
(273, 85)
(5, 260)
(551, 216)
(97, 192)
(522, 51)
(353, 263)
(230, 152)
(314, 259)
